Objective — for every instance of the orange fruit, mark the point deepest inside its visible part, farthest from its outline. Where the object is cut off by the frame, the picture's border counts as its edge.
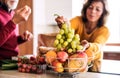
(57, 66)
(50, 56)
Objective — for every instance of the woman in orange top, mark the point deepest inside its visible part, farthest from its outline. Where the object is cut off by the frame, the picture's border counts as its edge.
(92, 30)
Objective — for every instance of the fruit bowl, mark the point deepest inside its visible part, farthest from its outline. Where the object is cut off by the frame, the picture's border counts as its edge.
(74, 63)
(70, 68)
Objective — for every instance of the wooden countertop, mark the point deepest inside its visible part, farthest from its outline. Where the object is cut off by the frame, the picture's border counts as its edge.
(16, 74)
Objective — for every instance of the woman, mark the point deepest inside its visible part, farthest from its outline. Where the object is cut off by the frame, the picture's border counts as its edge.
(92, 30)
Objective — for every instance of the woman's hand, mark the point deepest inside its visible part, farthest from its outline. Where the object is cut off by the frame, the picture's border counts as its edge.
(85, 44)
(27, 36)
(21, 15)
(60, 20)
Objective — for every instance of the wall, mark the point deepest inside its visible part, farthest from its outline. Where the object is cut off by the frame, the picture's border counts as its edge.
(43, 16)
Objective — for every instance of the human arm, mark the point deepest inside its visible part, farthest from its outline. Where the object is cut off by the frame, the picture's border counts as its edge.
(6, 31)
(22, 14)
(96, 43)
(8, 26)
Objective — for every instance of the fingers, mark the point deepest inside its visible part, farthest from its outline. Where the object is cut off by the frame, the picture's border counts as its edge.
(60, 19)
(30, 36)
(25, 12)
(85, 44)
(27, 35)
(28, 11)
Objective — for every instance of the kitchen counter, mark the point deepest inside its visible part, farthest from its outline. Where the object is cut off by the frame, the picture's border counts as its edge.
(16, 74)
(110, 69)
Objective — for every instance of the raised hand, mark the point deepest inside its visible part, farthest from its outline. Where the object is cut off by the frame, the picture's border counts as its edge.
(60, 20)
(22, 14)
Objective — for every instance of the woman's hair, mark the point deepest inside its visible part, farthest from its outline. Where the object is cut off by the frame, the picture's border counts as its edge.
(104, 15)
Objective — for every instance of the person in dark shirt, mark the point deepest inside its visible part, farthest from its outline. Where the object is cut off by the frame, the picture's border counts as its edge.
(9, 20)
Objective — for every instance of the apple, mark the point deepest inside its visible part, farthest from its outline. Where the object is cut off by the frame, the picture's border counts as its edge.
(57, 66)
(85, 58)
(62, 56)
(82, 55)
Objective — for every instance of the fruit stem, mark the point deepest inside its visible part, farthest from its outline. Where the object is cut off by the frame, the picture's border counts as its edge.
(56, 15)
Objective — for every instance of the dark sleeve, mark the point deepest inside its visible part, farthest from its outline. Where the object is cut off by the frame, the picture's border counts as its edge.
(20, 40)
(6, 31)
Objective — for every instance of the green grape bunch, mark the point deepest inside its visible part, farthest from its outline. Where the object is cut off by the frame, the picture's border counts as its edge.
(67, 40)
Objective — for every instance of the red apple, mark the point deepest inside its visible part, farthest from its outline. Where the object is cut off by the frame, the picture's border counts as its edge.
(62, 56)
(82, 55)
(84, 60)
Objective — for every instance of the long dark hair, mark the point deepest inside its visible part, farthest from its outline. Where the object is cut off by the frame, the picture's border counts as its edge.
(104, 15)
